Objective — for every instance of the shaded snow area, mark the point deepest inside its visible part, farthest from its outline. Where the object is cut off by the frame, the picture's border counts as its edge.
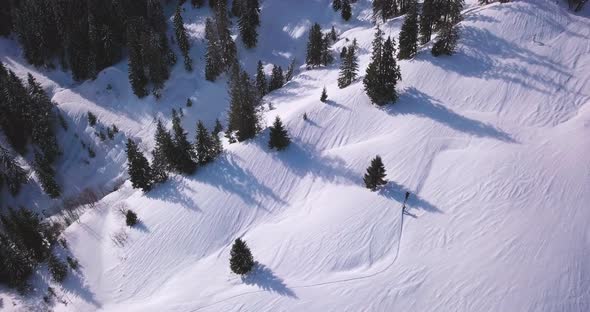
(492, 143)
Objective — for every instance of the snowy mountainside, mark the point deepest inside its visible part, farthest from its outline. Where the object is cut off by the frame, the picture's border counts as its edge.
(491, 143)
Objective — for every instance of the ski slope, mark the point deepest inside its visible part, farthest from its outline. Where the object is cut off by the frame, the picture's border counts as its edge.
(491, 142)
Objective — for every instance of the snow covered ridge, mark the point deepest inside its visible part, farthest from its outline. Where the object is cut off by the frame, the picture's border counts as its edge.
(490, 142)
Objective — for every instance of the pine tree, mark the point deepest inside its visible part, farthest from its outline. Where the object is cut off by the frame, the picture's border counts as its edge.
(375, 174)
(348, 67)
(327, 57)
(184, 155)
(276, 78)
(336, 5)
(31, 233)
(203, 145)
(46, 175)
(408, 36)
(197, 3)
(164, 151)
(383, 73)
(217, 147)
(139, 169)
(11, 173)
(249, 20)
(427, 19)
(290, 69)
(236, 7)
(446, 41)
(333, 34)
(213, 65)
(346, 12)
(343, 53)
(131, 218)
(226, 44)
(182, 39)
(279, 138)
(385, 9)
(244, 100)
(324, 95)
(314, 46)
(57, 268)
(261, 80)
(137, 76)
(16, 263)
(218, 127)
(241, 261)
(189, 102)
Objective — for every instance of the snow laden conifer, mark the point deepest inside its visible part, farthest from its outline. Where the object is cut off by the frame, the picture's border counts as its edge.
(324, 96)
(182, 39)
(218, 127)
(184, 155)
(348, 66)
(375, 176)
(221, 50)
(277, 79)
(244, 100)
(241, 261)
(140, 172)
(383, 73)
(408, 36)
(203, 145)
(12, 175)
(57, 268)
(279, 138)
(327, 57)
(261, 84)
(46, 175)
(446, 41)
(314, 46)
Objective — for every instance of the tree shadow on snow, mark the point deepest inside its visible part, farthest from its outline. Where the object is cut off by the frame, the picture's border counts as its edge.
(397, 192)
(338, 105)
(413, 101)
(75, 285)
(174, 191)
(263, 277)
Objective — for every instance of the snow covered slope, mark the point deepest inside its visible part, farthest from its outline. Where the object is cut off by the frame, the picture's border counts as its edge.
(491, 142)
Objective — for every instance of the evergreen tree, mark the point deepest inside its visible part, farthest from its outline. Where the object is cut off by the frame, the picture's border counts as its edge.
(261, 80)
(225, 42)
(314, 46)
(131, 218)
(46, 175)
(383, 73)
(236, 7)
(279, 138)
(324, 95)
(42, 119)
(241, 260)
(375, 174)
(203, 145)
(343, 53)
(218, 127)
(446, 41)
(16, 263)
(137, 76)
(11, 173)
(26, 229)
(244, 99)
(336, 5)
(249, 20)
(290, 69)
(327, 57)
(164, 151)
(217, 147)
(276, 78)
(385, 9)
(348, 67)
(189, 102)
(346, 12)
(427, 19)
(57, 268)
(333, 34)
(139, 169)
(182, 39)
(213, 66)
(184, 155)
(197, 3)
(408, 36)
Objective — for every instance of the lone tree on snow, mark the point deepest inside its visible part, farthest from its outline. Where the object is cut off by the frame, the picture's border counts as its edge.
(375, 174)
(279, 138)
(324, 96)
(241, 261)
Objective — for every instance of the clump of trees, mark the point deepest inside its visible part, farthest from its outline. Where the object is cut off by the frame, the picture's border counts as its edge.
(221, 49)
(349, 66)
(383, 73)
(318, 45)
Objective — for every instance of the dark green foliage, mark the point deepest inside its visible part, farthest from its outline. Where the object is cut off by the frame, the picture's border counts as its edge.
(343, 53)
(427, 19)
(244, 100)
(12, 175)
(279, 138)
(336, 5)
(236, 7)
(221, 54)
(16, 263)
(197, 3)
(163, 154)
(324, 95)
(217, 147)
(276, 78)
(348, 67)
(446, 41)
(290, 69)
(189, 103)
(137, 76)
(203, 145)
(333, 34)
(57, 268)
(385, 9)
(261, 85)
(139, 169)
(46, 175)
(241, 261)
(101, 135)
(383, 73)
(182, 39)
(73, 263)
(218, 127)
(249, 14)
(184, 155)
(26, 229)
(346, 12)
(439, 16)
(327, 57)
(314, 46)
(375, 175)
(131, 218)
(408, 36)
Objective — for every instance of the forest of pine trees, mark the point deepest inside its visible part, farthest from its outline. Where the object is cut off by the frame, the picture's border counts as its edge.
(244, 102)
(221, 51)
(408, 36)
(318, 45)
(182, 39)
(383, 73)
(248, 12)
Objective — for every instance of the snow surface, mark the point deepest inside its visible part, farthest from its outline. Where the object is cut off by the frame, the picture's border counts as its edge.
(491, 142)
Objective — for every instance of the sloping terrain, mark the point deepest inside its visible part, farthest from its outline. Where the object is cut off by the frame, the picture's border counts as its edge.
(491, 142)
